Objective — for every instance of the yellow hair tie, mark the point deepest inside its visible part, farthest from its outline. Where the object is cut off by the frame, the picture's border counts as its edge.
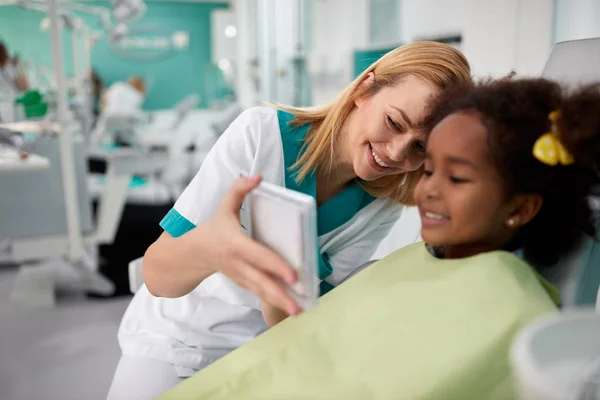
(548, 148)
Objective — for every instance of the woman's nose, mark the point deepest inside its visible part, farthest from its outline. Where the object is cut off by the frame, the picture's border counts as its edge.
(399, 147)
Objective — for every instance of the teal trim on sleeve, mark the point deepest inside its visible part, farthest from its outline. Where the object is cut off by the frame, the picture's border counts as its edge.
(176, 224)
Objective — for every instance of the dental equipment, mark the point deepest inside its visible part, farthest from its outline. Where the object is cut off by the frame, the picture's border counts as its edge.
(558, 357)
(121, 166)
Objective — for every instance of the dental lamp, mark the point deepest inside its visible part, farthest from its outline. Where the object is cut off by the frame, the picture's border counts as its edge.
(123, 12)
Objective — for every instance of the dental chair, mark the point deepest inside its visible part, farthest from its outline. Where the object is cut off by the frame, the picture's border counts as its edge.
(156, 133)
(163, 125)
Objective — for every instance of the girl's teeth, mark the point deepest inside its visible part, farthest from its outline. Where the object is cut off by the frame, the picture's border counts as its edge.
(378, 160)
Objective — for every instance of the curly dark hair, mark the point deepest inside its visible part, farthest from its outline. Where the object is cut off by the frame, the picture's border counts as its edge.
(516, 113)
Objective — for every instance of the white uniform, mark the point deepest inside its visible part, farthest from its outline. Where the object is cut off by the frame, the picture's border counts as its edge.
(123, 99)
(121, 114)
(192, 331)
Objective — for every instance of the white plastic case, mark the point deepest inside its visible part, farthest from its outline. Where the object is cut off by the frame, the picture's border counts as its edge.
(286, 221)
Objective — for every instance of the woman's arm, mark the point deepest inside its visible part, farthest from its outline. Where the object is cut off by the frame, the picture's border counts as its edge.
(170, 268)
(203, 230)
(180, 259)
(173, 267)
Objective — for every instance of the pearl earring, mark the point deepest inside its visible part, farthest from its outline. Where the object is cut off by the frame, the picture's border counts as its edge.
(511, 222)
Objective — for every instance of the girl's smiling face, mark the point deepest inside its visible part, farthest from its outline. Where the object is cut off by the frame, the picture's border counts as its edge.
(461, 197)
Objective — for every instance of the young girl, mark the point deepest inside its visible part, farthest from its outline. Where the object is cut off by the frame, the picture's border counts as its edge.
(507, 171)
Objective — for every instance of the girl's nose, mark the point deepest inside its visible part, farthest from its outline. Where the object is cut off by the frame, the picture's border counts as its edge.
(431, 188)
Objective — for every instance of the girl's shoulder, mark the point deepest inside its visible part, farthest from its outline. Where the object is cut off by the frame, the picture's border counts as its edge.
(504, 275)
(515, 279)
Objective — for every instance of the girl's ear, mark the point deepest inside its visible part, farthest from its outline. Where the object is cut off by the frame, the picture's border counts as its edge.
(526, 207)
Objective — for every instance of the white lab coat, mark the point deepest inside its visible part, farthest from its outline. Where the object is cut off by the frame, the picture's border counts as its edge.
(122, 113)
(192, 331)
(123, 99)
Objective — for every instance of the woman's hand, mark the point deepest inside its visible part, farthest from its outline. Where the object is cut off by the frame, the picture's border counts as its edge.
(242, 259)
(173, 267)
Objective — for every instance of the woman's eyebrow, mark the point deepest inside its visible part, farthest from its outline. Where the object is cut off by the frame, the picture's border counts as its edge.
(401, 111)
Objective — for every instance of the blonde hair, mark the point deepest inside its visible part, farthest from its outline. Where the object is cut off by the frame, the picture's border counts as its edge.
(438, 64)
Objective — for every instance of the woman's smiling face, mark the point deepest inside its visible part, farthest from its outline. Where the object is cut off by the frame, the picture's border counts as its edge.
(384, 134)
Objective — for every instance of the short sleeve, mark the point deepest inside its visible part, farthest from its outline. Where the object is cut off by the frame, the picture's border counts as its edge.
(231, 157)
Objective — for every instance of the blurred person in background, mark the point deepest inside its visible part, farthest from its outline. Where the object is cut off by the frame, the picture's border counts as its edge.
(12, 76)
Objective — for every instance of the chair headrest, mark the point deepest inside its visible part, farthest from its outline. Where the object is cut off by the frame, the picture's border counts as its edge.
(574, 62)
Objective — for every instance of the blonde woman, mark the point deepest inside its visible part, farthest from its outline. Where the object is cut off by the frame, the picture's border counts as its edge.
(210, 288)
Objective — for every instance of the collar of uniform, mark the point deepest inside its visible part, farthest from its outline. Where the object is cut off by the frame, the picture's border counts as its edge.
(338, 210)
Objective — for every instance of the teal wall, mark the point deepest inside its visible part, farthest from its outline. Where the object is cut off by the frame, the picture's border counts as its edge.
(171, 78)
(364, 58)
(20, 31)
